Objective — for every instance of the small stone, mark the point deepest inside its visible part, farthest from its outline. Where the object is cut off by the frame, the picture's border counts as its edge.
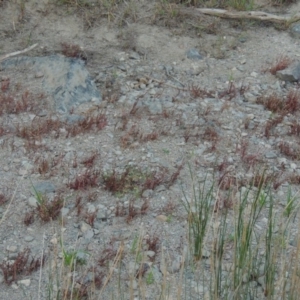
(91, 208)
(150, 253)
(39, 75)
(102, 216)
(122, 68)
(64, 211)
(143, 80)
(54, 241)
(193, 54)
(121, 235)
(249, 97)
(11, 248)
(271, 155)
(89, 234)
(25, 282)
(14, 286)
(291, 74)
(23, 172)
(84, 227)
(147, 193)
(175, 267)
(28, 238)
(205, 253)
(44, 187)
(134, 55)
(162, 218)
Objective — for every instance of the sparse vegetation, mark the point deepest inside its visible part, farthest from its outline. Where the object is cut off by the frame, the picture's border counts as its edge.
(22, 265)
(281, 63)
(231, 232)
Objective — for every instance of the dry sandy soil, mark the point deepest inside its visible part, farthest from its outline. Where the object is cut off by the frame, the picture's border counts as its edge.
(161, 111)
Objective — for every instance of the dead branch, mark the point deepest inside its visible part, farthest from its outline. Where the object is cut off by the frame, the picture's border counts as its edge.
(17, 52)
(254, 15)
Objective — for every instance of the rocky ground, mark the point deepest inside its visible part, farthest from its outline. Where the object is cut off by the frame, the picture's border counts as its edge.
(103, 118)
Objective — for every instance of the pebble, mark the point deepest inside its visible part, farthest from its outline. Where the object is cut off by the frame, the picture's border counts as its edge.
(84, 227)
(162, 218)
(270, 155)
(25, 282)
(32, 201)
(88, 234)
(11, 248)
(28, 238)
(193, 54)
(44, 187)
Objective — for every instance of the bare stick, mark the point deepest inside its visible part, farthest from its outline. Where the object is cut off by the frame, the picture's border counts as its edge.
(254, 15)
(17, 52)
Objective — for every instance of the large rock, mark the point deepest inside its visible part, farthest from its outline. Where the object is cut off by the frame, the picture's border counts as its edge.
(65, 79)
(291, 74)
(295, 30)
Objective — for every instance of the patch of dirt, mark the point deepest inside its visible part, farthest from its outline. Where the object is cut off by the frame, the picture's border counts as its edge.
(160, 111)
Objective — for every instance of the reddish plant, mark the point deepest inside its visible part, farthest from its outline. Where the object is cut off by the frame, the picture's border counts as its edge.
(145, 207)
(295, 128)
(292, 102)
(120, 210)
(90, 160)
(5, 84)
(4, 197)
(273, 103)
(286, 149)
(87, 124)
(168, 208)
(29, 218)
(88, 178)
(90, 218)
(229, 93)
(78, 205)
(281, 63)
(49, 209)
(22, 265)
(132, 211)
(72, 50)
(152, 241)
(108, 254)
(271, 124)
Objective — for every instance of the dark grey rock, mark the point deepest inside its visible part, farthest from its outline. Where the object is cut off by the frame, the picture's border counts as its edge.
(155, 107)
(290, 74)
(64, 211)
(102, 216)
(72, 119)
(88, 234)
(65, 79)
(147, 193)
(134, 55)
(44, 187)
(271, 155)
(193, 54)
(295, 30)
